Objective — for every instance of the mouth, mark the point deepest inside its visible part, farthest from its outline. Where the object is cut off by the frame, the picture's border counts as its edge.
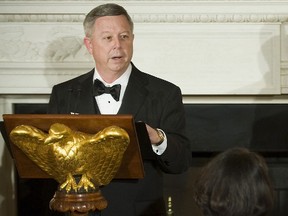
(116, 57)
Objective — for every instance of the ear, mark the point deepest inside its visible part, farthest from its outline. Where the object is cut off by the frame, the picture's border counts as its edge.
(87, 42)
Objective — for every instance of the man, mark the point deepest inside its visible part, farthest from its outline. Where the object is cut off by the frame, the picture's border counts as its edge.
(109, 39)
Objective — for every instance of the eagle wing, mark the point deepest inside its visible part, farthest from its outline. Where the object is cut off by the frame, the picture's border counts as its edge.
(104, 152)
(31, 141)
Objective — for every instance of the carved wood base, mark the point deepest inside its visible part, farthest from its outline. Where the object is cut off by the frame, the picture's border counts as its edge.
(78, 204)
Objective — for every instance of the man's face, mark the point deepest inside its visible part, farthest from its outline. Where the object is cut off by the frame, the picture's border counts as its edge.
(111, 44)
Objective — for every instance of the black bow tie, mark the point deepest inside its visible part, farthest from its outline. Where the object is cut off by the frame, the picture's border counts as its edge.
(100, 88)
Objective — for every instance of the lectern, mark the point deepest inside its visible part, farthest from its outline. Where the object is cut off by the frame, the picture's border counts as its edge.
(79, 203)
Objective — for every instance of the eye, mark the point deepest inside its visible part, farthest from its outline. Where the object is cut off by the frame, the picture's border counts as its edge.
(107, 38)
(124, 36)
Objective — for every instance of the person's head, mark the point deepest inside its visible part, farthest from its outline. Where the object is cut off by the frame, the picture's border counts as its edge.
(234, 183)
(109, 38)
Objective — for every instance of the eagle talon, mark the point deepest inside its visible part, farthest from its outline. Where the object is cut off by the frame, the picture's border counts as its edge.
(85, 183)
(69, 184)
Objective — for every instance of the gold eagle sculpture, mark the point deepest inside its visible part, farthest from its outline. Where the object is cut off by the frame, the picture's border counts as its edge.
(66, 154)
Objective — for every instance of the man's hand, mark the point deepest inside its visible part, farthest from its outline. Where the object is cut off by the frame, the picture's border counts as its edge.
(154, 136)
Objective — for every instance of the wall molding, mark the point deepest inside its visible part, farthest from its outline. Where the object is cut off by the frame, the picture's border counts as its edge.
(154, 18)
(32, 32)
(150, 11)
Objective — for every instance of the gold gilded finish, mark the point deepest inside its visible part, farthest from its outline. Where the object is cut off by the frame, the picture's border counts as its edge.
(66, 154)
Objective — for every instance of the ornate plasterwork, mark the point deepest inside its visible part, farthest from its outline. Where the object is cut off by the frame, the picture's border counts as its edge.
(209, 18)
(19, 43)
(147, 11)
(41, 18)
(46, 37)
(154, 18)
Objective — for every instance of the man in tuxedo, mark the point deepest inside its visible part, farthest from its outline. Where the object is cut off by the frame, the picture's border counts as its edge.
(116, 86)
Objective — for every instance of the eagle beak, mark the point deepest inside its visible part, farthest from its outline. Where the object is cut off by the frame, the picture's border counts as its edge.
(52, 138)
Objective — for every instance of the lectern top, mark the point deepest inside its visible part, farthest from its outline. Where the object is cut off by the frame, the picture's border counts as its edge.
(131, 167)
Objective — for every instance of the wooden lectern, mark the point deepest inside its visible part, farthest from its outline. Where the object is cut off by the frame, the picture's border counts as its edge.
(77, 204)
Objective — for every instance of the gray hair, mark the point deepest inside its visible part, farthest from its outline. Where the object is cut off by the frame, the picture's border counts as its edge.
(109, 9)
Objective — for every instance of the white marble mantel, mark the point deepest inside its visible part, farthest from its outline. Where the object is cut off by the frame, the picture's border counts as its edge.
(206, 47)
(216, 51)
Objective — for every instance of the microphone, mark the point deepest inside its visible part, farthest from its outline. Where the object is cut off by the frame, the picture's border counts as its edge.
(77, 100)
(70, 91)
(75, 93)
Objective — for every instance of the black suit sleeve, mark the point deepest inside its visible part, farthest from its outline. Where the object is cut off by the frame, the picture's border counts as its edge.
(177, 156)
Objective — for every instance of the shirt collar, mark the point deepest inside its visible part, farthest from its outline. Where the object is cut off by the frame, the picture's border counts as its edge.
(122, 80)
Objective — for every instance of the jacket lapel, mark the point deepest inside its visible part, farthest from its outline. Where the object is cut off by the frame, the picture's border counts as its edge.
(133, 99)
(135, 93)
(87, 103)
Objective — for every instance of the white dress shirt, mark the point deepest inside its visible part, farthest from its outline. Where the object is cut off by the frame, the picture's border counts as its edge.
(106, 103)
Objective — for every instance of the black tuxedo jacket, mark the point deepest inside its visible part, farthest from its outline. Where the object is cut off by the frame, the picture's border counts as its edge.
(153, 101)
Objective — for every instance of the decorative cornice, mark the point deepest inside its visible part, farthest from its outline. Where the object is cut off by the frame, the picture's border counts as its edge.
(155, 18)
(148, 11)
(41, 18)
(209, 18)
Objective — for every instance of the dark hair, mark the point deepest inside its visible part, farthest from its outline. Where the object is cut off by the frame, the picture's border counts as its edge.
(104, 10)
(235, 183)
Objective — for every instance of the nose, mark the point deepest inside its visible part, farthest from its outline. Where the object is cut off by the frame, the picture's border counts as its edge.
(117, 43)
